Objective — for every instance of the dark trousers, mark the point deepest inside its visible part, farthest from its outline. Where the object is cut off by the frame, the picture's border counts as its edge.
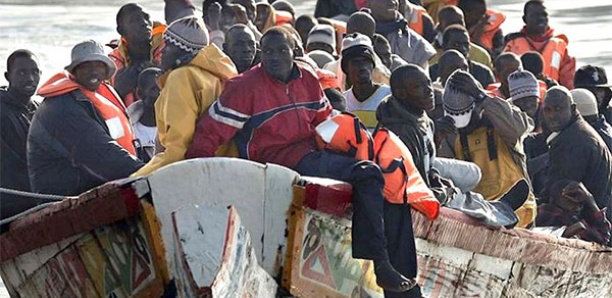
(400, 245)
(366, 179)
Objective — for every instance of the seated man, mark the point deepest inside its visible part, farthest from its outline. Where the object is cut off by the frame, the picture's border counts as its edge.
(538, 36)
(322, 37)
(405, 42)
(452, 15)
(491, 133)
(484, 25)
(271, 112)
(457, 38)
(576, 151)
(195, 75)
(142, 113)
(573, 206)
(80, 136)
(240, 46)
(586, 104)
(358, 64)
(505, 64)
(139, 48)
(524, 92)
(594, 78)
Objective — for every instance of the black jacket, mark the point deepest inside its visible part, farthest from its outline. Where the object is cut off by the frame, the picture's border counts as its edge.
(15, 118)
(70, 149)
(604, 129)
(578, 153)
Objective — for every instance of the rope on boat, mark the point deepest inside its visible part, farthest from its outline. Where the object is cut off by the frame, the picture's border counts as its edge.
(32, 195)
(24, 213)
(54, 198)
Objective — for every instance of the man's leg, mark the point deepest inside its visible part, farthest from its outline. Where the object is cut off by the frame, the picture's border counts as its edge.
(368, 236)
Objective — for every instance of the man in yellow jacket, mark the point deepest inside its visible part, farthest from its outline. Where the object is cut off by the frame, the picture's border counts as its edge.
(195, 75)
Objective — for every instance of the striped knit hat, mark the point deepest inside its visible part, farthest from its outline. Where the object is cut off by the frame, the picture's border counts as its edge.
(188, 33)
(457, 104)
(522, 83)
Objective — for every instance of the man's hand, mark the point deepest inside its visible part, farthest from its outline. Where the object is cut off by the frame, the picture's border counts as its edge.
(445, 126)
(577, 192)
(464, 81)
(574, 230)
(214, 15)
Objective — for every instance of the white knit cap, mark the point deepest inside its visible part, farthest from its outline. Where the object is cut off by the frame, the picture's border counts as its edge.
(585, 101)
(324, 34)
(522, 83)
(189, 34)
(457, 104)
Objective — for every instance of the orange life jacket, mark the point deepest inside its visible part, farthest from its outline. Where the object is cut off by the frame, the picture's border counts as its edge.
(552, 52)
(106, 102)
(496, 19)
(283, 17)
(328, 79)
(415, 19)
(344, 133)
(494, 90)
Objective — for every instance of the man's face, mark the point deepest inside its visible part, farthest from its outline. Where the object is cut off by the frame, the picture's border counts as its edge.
(170, 53)
(447, 69)
(136, 26)
(240, 46)
(556, 111)
(383, 10)
(149, 90)
(360, 70)
(277, 56)
(419, 92)
(528, 105)
(459, 41)
(249, 5)
(263, 12)
(383, 50)
(24, 76)
(320, 46)
(90, 74)
(536, 19)
(506, 69)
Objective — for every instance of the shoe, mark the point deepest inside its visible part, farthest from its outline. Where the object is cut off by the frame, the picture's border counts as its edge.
(391, 280)
(517, 195)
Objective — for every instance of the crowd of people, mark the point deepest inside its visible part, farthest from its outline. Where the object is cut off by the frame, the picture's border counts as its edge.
(499, 120)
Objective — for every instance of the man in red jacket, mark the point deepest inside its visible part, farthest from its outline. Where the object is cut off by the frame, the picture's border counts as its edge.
(271, 112)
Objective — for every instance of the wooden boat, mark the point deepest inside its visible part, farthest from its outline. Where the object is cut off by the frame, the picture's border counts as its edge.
(233, 228)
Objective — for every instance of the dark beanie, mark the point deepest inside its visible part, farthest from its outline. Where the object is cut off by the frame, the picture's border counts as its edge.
(356, 45)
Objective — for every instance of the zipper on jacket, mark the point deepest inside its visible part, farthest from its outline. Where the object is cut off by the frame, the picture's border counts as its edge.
(294, 107)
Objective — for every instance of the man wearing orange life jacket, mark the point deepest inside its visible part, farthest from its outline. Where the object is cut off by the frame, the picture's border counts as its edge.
(139, 48)
(80, 136)
(538, 36)
(484, 25)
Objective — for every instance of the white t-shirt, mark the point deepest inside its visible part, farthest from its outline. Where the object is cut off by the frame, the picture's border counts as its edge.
(146, 137)
(370, 104)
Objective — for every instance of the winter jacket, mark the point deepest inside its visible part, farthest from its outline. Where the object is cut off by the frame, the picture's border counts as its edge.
(604, 129)
(270, 121)
(579, 154)
(15, 118)
(70, 149)
(187, 93)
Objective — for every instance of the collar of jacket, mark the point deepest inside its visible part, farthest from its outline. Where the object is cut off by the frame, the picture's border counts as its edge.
(8, 98)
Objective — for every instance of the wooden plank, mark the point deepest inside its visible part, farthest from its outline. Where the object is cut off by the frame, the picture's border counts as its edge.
(210, 181)
(278, 197)
(322, 265)
(214, 255)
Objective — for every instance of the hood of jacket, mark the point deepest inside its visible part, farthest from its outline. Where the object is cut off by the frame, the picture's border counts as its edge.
(210, 59)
